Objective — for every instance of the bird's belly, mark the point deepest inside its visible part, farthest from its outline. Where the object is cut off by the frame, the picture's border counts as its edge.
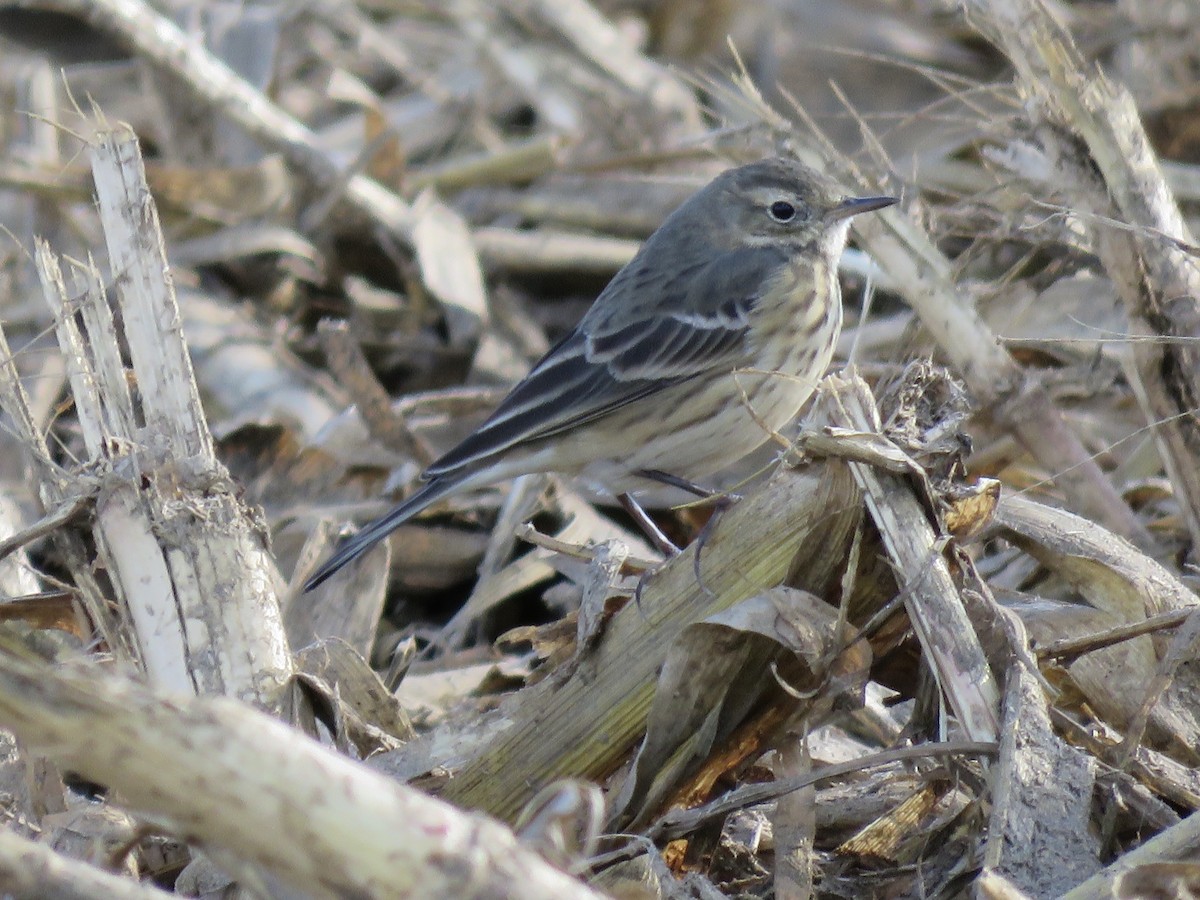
(704, 429)
(699, 427)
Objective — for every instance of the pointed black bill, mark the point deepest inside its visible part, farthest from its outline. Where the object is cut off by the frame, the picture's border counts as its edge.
(852, 206)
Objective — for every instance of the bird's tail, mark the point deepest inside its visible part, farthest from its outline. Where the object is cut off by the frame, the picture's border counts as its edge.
(355, 546)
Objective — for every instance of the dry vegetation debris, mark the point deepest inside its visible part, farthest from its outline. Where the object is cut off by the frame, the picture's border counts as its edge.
(263, 262)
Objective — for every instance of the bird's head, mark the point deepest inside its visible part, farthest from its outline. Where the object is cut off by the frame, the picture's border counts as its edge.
(780, 202)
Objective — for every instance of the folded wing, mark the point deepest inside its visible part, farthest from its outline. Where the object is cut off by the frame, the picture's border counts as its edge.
(691, 324)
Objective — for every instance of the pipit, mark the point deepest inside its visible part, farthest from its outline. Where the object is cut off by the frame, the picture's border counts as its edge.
(711, 339)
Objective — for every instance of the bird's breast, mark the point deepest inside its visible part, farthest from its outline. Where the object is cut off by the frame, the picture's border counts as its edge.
(800, 310)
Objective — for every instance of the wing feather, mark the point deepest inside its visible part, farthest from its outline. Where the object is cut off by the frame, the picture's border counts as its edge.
(693, 324)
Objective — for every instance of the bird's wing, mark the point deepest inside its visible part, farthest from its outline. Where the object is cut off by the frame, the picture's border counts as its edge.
(627, 348)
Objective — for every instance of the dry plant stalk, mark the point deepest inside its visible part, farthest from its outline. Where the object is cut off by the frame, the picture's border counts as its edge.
(1180, 842)
(583, 723)
(30, 870)
(1039, 778)
(1122, 582)
(189, 563)
(1090, 128)
(250, 789)
(930, 594)
(598, 107)
(436, 233)
(922, 274)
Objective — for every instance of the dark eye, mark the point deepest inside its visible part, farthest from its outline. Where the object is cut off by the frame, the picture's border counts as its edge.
(782, 211)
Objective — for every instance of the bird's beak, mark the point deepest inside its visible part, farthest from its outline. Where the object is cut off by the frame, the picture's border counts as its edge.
(852, 206)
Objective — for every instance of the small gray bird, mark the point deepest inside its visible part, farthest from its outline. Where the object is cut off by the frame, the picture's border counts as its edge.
(710, 339)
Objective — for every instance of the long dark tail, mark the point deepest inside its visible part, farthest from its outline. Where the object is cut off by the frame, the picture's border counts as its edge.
(354, 547)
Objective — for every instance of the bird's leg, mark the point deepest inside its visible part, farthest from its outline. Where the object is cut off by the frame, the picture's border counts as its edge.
(696, 490)
(653, 532)
(720, 502)
(647, 524)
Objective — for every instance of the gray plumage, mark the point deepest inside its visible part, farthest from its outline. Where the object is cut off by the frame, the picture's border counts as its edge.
(742, 276)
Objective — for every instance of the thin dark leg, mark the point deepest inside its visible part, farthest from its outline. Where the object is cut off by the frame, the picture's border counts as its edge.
(651, 530)
(721, 502)
(696, 490)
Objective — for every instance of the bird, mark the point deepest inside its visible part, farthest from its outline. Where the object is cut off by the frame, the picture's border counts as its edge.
(709, 341)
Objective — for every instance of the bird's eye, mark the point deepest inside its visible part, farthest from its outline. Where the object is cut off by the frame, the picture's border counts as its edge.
(782, 211)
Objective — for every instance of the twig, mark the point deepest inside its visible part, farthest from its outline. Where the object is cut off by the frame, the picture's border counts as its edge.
(52, 521)
(1067, 649)
(385, 423)
(678, 823)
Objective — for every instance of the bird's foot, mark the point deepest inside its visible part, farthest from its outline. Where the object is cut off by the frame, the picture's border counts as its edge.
(720, 502)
